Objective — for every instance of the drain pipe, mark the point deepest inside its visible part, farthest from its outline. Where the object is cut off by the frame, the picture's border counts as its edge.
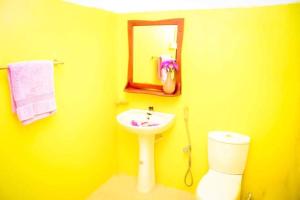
(249, 197)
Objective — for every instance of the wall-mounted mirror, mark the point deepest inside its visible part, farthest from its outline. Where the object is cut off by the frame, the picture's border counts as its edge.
(154, 65)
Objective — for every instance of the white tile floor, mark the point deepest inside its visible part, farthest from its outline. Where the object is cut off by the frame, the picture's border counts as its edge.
(124, 188)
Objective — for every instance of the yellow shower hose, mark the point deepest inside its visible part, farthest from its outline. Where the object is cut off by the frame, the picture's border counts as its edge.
(188, 178)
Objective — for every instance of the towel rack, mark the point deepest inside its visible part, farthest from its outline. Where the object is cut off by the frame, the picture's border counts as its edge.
(55, 62)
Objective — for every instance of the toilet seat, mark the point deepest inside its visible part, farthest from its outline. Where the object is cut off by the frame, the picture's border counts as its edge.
(219, 186)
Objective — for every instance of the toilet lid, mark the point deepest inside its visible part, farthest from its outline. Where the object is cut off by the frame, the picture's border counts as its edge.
(219, 186)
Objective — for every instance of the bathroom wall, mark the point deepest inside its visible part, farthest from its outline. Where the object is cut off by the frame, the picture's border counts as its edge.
(240, 72)
(68, 155)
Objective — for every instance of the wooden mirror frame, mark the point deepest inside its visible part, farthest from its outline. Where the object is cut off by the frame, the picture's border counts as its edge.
(147, 88)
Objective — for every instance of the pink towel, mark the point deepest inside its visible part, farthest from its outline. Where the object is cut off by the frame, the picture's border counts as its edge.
(32, 90)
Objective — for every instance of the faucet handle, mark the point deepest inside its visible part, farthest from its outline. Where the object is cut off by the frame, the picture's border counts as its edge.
(151, 108)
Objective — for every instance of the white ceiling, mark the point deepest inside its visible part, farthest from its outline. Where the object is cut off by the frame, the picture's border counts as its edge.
(128, 6)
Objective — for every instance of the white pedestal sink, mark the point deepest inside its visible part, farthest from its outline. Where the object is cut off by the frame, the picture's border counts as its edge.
(146, 124)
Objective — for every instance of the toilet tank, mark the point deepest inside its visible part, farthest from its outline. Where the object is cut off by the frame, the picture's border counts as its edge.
(227, 151)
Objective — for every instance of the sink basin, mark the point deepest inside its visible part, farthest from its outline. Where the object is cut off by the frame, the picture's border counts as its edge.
(145, 124)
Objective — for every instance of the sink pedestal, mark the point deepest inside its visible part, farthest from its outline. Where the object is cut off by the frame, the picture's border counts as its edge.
(146, 175)
(145, 124)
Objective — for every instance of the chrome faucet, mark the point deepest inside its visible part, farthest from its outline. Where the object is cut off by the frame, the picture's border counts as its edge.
(150, 109)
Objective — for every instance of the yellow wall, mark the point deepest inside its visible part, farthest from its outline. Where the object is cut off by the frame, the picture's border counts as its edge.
(240, 72)
(68, 155)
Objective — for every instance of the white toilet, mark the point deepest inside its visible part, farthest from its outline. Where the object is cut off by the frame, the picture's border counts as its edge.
(227, 156)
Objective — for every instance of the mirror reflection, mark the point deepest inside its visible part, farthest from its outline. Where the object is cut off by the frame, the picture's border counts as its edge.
(152, 45)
